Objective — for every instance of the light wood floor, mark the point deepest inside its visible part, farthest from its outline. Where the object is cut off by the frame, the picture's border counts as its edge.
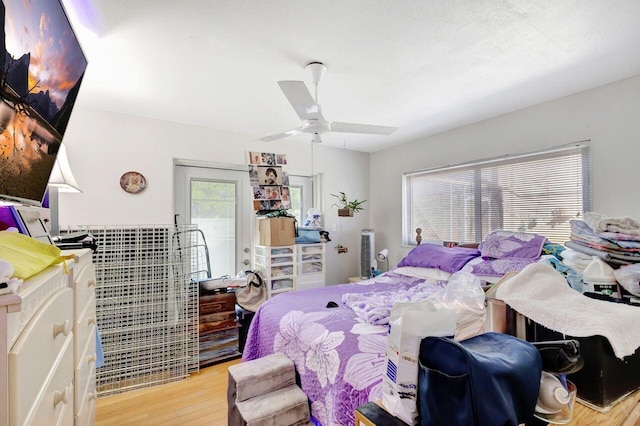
(199, 400)
(202, 400)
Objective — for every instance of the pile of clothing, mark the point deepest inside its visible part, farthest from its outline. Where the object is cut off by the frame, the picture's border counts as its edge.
(615, 240)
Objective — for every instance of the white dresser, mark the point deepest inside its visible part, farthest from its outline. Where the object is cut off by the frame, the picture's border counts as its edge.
(84, 336)
(47, 347)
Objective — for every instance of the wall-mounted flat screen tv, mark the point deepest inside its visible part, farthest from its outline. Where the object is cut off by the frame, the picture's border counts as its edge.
(41, 66)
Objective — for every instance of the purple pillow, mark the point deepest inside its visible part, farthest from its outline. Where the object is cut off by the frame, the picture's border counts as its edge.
(512, 245)
(499, 267)
(435, 256)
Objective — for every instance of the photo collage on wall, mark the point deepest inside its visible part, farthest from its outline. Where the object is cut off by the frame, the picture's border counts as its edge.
(270, 183)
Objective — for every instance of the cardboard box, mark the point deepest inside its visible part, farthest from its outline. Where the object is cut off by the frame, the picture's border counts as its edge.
(603, 381)
(276, 231)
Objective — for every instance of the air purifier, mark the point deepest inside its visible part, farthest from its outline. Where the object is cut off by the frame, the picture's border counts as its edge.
(367, 254)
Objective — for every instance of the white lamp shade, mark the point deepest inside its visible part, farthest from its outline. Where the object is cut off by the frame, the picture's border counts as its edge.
(61, 175)
(382, 255)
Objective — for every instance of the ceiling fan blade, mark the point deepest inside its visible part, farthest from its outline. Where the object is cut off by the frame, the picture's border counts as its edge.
(337, 126)
(299, 97)
(282, 135)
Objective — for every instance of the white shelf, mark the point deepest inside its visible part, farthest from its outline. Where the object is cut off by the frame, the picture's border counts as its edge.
(277, 266)
(310, 266)
(289, 268)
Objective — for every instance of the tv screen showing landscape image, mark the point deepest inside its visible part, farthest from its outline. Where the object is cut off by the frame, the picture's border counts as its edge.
(42, 68)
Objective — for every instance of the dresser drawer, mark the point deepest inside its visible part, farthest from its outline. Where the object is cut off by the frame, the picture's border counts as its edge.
(84, 282)
(221, 302)
(34, 293)
(86, 415)
(53, 400)
(39, 348)
(85, 371)
(218, 345)
(217, 322)
(84, 402)
(84, 328)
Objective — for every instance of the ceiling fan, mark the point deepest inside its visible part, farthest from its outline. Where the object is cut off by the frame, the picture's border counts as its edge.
(310, 111)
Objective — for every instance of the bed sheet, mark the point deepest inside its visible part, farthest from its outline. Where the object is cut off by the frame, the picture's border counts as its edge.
(339, 357)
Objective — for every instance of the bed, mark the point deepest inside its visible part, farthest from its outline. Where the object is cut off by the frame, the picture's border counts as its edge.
(339, 351)
(339, 357)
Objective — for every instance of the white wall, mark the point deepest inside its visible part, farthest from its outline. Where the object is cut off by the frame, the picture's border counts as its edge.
(103, 145)
(609, 116)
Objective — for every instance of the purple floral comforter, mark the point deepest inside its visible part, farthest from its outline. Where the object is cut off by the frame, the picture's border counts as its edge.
(339, 357)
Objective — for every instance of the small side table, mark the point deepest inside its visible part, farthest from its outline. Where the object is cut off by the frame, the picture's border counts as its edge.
(371, 414)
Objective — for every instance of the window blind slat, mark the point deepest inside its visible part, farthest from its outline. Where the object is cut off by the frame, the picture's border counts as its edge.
(538, 192)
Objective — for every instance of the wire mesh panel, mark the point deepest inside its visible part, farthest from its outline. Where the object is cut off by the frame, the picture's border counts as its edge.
(146, 304)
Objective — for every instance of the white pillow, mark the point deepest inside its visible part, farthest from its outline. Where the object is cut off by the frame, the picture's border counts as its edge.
(424, 273)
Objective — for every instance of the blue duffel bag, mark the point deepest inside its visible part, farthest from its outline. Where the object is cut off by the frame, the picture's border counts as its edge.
(491, 379)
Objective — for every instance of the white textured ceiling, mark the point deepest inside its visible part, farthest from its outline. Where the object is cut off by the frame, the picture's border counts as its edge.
(425, 66)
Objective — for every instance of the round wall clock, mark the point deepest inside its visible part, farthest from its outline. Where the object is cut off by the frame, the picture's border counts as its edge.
(133, 182)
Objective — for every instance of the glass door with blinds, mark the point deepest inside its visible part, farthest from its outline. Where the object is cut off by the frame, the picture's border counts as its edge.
(218, 202)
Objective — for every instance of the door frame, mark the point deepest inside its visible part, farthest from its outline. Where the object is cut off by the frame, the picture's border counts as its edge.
(312, 199)
(244, 224)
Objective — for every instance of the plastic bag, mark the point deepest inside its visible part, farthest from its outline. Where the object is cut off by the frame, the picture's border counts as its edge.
(313, 219)
(464, 296)
(8, 284)
(629, 278)
(409, 323)
(27, 255)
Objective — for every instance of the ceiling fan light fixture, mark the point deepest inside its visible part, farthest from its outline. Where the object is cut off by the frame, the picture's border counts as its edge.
(316, 126)
(317, 70)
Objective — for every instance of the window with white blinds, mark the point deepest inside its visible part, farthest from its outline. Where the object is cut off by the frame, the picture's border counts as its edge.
(535, 192)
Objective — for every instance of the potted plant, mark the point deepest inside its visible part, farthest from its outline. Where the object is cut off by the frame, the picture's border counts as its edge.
(346, 207)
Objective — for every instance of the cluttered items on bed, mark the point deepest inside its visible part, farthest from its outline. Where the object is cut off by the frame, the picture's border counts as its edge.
(337, 335)
(338, 353)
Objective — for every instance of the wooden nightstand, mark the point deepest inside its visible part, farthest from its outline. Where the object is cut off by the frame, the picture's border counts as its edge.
(371, 414)
(218, 326)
